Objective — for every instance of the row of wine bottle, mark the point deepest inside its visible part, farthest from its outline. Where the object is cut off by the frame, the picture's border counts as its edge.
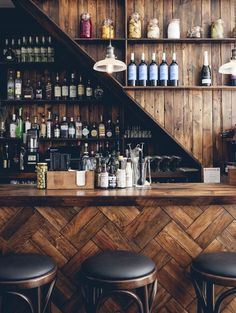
(164, 74)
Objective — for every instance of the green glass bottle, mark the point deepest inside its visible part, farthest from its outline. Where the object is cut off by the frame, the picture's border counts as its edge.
(19, 125)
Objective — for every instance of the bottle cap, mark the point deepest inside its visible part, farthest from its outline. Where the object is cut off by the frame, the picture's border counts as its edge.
(154, 56)
(143, 56)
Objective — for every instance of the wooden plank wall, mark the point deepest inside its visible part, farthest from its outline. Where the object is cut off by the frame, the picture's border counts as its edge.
(172, 236)
(194, 117)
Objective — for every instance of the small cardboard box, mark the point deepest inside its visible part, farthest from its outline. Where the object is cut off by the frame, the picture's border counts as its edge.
(232, 176)
(68, 180)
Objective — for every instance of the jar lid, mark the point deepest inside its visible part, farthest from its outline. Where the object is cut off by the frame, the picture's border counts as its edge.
(85, 16)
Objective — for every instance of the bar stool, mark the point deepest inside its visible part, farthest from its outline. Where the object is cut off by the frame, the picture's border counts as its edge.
(211, 269)
(21, 273)
(112, 273)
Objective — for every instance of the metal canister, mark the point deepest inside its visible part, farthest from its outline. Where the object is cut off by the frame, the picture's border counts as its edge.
(41, 175)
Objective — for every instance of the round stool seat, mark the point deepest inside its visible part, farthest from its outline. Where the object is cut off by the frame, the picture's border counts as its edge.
(16, 267)
(118, 265)
(219, 264)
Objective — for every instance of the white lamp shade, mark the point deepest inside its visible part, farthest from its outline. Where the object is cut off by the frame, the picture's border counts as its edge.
(228, 68)
(109, 65)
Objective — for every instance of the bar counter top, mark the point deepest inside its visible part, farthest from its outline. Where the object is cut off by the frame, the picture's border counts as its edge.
(159, 194)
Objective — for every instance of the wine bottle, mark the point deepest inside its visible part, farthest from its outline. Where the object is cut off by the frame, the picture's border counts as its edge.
(153, 71)
(174, 72)
(132, 71)
(206, 71)
(163, 71)
(142, 71)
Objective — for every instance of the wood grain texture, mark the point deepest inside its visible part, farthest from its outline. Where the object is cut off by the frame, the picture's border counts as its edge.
(171, 235)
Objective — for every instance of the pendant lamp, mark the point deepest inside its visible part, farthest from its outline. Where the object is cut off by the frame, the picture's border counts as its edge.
(110, 64)
(230, 67)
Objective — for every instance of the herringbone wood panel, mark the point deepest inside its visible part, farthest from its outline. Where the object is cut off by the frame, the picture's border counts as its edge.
(171, 236)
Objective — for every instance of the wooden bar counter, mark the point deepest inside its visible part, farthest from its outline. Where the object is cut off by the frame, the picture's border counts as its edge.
(171, 223)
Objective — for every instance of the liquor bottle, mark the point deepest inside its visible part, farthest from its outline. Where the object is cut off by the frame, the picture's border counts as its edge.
(94, 131)
(78, 128)
(10, 87)
(109, 129)
(48, 89)
(19, 125)
(88, 91)
(64, 89)
(43, 50)
(72, 88)
(56, 129)
(37, 54)
(12, 126)
(233, 76)
(50, 50)
(43, 128)
(93, 160)
(85, 159)
(64, 128)
(85, 130)
(81, 89)
(30, 50)
(15, 158)
(112, 178)
(39, 90)
(57, 89)
(101, 128)
(18, 86)
(35, 124)
(5, 48)
(27, 124)
(98, 93)
(153, 71)
(206, 71)
(121, 174)
(10, 55)
(49, 125)
(174, 72)
(28, 91)
(98, 172)
(18, 50)
(117, 127)
(132, 71)
(24, 54)
(163, 71)
(129, 173)
(22, 158)
(142, 71)
(71, 128)
(104, 177)
(6, 164)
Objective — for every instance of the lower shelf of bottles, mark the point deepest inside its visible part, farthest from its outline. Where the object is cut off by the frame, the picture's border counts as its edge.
(180, 87)
(44, 140)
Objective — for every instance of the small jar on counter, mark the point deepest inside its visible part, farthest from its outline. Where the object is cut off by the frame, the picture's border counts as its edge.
(42, 169)
(153, 30)
(217, 29)
(174, 29)
(107, 29)
(135, 26)
(85, 26)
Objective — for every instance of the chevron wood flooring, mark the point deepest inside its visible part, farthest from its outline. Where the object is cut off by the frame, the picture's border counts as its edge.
(171, 236)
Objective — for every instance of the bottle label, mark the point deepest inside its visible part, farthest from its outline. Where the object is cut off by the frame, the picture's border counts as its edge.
(65, 91)
(72, 91)
(174, 72)
(18, 87)
(56, 132)
(94, 133)
(121, 178)
(109, 133)
(142, 72)
(104, 180)
(13, 130)
(49, 129)
(57, 91)
(112, 181)
(80, 90)
(71, 131)
(85, 132)
(132, 72)
(89, 92)
(164, 72)
(78, 130)
(206, 81)
(153, 72)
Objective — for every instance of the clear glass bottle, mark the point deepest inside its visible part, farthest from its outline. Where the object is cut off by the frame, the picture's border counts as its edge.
(43, 128)
(81, 89)
(12, 126)
(30, 50)
(50, 50)
(10, 87)
(37, 54)
(49, 125)
(104, 177)
(56, 128)
(64, 89)
(43, 50)
(57, 88)
(101, 128)
(24, 54)
(88, 91)
(71, 128)
(72, 88)
(78, 128)
(18, 86)
(64, 128)
(94, 130)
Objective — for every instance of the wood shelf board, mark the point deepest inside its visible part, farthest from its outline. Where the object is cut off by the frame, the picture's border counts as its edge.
(180, 87)
(22, 102)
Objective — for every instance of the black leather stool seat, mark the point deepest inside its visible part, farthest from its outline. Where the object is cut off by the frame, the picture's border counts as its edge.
(219, 264)
(118, 265)
(16, 267)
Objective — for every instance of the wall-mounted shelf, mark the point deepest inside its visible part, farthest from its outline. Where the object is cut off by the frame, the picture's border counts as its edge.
(42, 102)
(76, 139)
(180, 87)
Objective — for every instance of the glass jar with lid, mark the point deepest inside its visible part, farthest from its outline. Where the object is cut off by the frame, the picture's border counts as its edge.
(85, 26)
(107, 29)
(135, 26)
(174, 29)
(217, 29)
(153, 30)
